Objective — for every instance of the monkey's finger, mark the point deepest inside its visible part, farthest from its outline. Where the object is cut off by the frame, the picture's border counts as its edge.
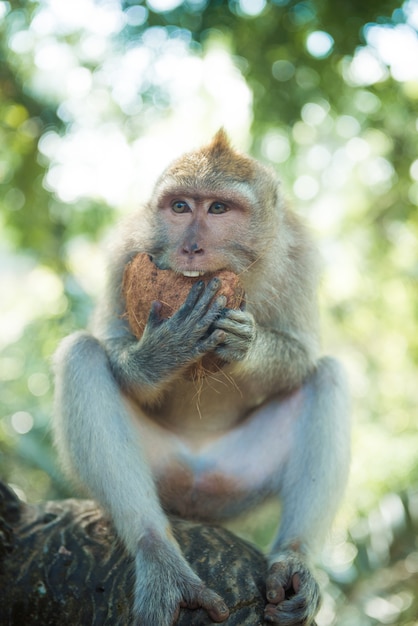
(213, 604)
(243, 328)
(207, 302)
(277, 582)
(210, 343)
(191, 300)
(198, 300)
(236, 315)
(235, 318)
(287, 615)
(154, 318)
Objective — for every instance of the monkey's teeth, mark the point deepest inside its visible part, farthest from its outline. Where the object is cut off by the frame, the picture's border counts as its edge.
(192, 274)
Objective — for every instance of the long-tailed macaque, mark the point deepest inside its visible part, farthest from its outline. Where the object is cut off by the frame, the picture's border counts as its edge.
(273, 421)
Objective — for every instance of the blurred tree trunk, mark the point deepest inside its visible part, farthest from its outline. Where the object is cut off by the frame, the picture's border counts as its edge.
(61, 564)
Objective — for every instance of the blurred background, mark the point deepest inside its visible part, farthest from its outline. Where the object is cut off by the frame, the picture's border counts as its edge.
(97, 96)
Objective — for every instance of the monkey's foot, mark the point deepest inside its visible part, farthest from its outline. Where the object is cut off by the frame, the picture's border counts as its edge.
(165, 582)
(292, 592)
(207, 599)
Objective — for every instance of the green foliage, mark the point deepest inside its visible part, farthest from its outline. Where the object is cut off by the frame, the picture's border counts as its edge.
(327, 104)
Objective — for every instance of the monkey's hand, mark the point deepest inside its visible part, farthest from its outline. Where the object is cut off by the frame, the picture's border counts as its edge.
(239, 329)
(165, 582)
(292, 592)
(183, 338)
(168, 346)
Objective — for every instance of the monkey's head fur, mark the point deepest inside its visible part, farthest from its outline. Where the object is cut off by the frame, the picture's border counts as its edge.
(217, 168)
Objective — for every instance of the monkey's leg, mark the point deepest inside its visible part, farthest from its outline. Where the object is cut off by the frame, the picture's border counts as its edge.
(311, 487)
(98, 442)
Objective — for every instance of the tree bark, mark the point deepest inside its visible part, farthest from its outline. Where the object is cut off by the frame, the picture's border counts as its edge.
(61, 564)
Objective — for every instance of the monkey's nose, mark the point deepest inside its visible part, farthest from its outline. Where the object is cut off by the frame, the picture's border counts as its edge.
(192, 249)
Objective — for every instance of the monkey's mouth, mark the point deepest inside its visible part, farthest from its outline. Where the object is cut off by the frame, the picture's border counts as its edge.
(188, 273)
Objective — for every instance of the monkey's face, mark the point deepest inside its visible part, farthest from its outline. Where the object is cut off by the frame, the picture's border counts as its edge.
(213, 209)
(197, 233)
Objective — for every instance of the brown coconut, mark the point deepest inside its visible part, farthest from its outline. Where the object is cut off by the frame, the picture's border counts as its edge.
(143, 283)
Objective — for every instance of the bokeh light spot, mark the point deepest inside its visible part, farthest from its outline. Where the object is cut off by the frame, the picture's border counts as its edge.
(22, 422)
(275, 147)
(252, 7)
(38, 384)
(283, 70)
(136, 15)
(319, 44)
(306, 187)
(162, 6)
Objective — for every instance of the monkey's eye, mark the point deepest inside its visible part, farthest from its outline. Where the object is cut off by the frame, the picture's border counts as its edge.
(218, 208)
(179, 206)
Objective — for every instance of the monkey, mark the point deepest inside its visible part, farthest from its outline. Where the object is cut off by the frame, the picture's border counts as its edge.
(271, 422)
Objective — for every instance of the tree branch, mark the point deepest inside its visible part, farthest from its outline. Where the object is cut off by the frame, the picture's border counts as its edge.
(61, 563)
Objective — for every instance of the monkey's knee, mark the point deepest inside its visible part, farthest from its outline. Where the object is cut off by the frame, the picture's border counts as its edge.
(332, 407)
(329, 374)
(80, 350)
(328, 401)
